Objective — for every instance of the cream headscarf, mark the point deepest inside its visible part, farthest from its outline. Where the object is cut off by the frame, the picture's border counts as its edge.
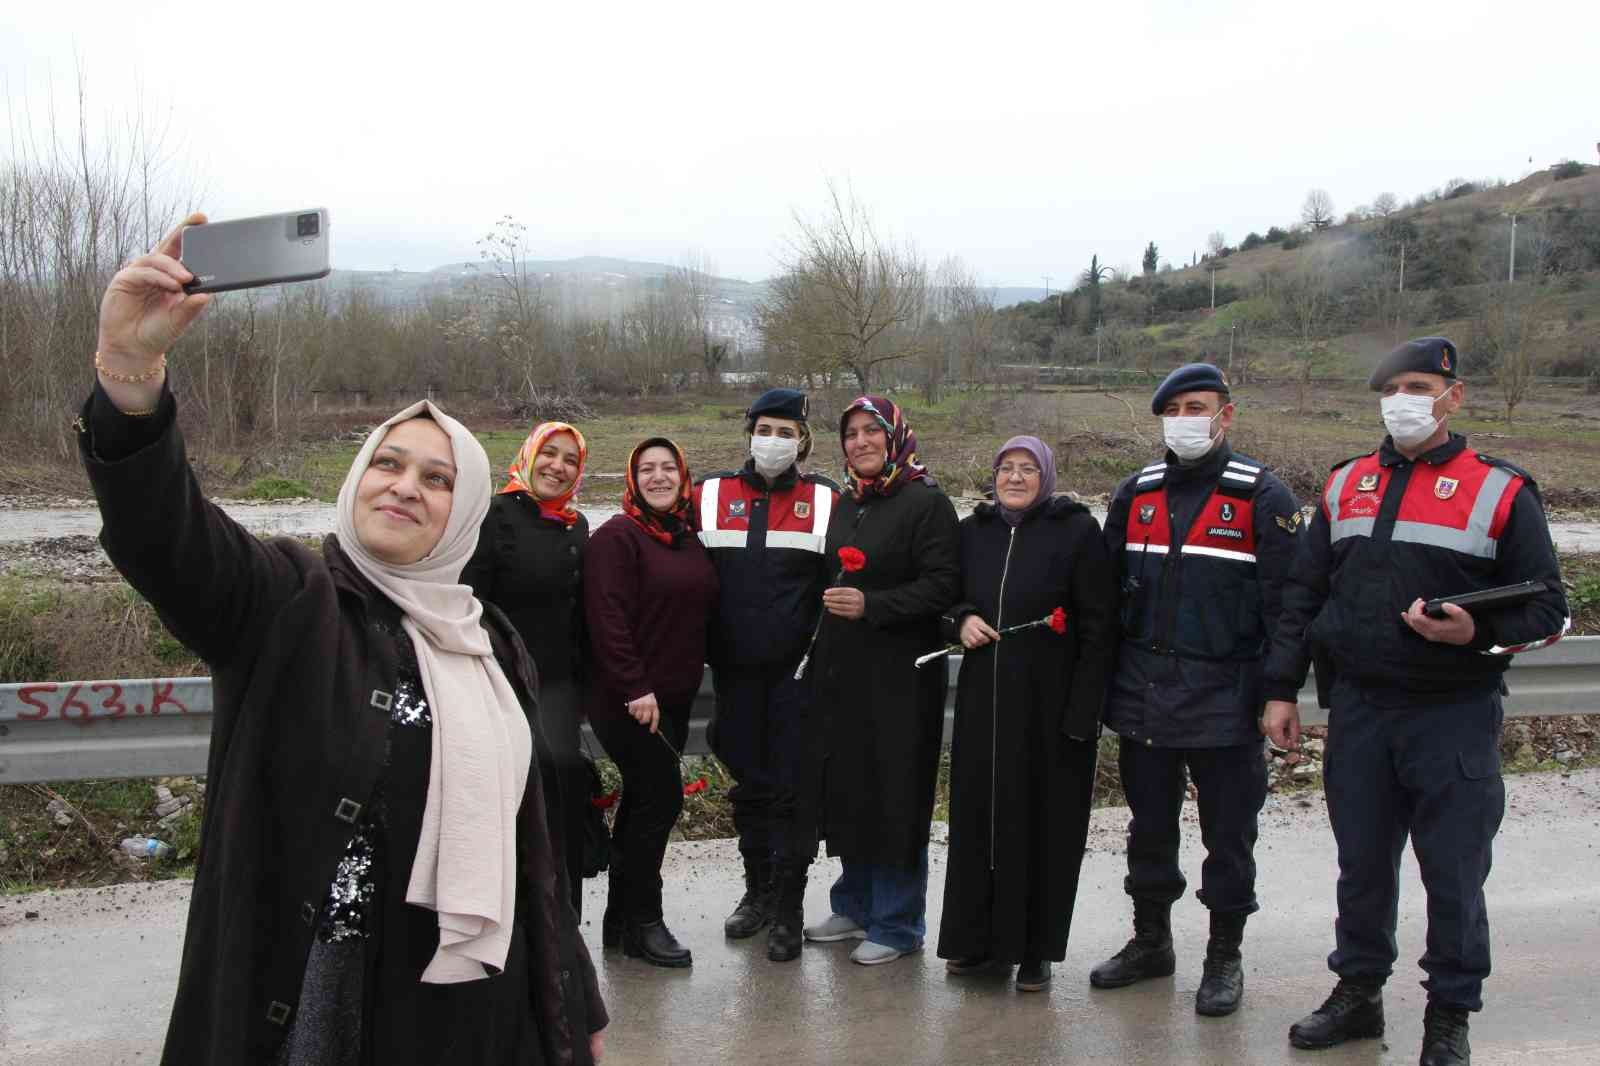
(466, 861)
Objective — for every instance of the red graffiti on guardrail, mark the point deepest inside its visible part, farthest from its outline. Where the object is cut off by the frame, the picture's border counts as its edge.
(84, 701)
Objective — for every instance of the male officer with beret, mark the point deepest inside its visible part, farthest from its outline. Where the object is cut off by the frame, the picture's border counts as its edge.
(1201, 540)
(1414, 700)
(765, 526)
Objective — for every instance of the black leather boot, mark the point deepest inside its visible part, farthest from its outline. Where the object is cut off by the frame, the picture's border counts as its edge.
(755, 906)
(1444, 1037)
(654, 943)
(1148, 954)
(1354, 1011)
(616, 906)
(1223, 984)
(788, 913)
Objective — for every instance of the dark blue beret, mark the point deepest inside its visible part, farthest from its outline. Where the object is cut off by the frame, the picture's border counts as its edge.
(779, 403)
(1191, 377)
(1427, 355)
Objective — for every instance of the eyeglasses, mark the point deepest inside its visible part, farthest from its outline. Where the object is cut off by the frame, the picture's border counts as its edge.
(1026, 473)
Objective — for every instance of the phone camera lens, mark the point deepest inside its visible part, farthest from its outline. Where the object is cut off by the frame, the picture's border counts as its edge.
(307, 225)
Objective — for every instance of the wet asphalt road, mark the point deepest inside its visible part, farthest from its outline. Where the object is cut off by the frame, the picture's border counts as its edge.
(90, 979)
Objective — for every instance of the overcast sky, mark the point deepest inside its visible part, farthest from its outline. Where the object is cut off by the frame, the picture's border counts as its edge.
(1023, 138)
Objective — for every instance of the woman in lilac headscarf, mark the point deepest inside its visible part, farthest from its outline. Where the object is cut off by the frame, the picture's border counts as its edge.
(1027, 720)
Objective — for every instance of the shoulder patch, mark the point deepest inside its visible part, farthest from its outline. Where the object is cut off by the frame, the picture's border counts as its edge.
(1513, 468)
(821, 479)
(1351, 459)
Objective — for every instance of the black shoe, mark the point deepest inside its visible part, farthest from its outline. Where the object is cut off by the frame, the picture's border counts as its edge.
(1444, 1037)
(1223, 984)
(755, 906)
(1148, 954)
(1354, 1011)
(788, 913)
(611, 929)
(654, 943)
(977, 966)
(1033, 975)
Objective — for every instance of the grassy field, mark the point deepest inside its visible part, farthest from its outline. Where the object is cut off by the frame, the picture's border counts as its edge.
(1099, 437)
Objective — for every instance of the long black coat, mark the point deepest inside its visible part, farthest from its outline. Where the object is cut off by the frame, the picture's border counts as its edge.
(1027, 720)
(883, 719)
(300, 670)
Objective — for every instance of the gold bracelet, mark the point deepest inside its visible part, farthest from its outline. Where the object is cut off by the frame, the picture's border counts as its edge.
(130, 379)
(140, 414)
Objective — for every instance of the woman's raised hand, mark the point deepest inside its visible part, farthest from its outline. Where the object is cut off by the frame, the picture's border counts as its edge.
(142, 314)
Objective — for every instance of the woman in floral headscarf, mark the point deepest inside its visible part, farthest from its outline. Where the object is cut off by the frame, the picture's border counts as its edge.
(649, 591)
(882, 719)
(529, 563)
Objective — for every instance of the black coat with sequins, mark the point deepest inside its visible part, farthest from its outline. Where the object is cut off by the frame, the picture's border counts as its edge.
(303, 674)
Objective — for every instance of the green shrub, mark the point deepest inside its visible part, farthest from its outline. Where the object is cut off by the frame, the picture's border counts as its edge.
(1567, 168)
(277, 488)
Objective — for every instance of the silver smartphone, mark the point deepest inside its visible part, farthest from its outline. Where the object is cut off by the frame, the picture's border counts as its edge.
(245, 253)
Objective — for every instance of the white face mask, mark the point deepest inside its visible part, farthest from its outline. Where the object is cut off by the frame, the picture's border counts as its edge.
(1408, 418)
(773, 455)
(1189, 436)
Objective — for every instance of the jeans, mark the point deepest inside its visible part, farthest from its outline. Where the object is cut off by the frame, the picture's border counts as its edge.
(890, 902)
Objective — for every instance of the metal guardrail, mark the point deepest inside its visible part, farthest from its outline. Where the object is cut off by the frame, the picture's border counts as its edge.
(81, 730)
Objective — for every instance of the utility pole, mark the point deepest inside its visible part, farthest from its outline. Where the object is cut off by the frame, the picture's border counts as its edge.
(1213, 288)
(1230, 348)
(1402, 268)
(1511, 274)
(1047, 286)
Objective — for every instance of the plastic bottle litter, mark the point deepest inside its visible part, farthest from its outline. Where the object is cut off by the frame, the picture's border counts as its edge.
(146, 848)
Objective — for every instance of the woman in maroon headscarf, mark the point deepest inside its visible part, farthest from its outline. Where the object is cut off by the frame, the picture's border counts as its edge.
(882, 719)
(1027, 720)
(649, 589)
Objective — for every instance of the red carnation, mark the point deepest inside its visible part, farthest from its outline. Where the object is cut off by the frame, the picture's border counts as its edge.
(852, 559)
(605, 802)
(1058, 620)
(697, 785)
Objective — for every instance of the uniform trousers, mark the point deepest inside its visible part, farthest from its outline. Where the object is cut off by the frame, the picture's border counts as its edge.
(1232, 786)
(759, 734)
(1427, 767)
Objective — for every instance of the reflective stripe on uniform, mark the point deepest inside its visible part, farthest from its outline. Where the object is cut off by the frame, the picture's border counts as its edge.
(1234, 475)
(725, 538)
(821, 508)
(1244, 467)
(1532, 645)
(1475, 539)
(1340, 528)
(1219, 553)
(1153, 549)
(710, 494)
(782, 538)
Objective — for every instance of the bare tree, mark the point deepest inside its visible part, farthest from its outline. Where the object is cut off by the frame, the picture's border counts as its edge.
(1317, 210)
(847, 299)
(1216, 243)
(695, 280)
(1304, 302)
(1385, 204)
(1505, 333)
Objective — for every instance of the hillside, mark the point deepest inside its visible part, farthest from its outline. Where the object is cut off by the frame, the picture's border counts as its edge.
(1332, 301)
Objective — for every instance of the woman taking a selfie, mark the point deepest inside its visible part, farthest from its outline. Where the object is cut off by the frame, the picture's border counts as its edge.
(377, 882)
(529, 563)
(649, 591)
(882, 718)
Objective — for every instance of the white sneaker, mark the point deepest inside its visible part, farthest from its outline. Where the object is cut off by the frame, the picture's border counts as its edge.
(870, 953)
(835, 927)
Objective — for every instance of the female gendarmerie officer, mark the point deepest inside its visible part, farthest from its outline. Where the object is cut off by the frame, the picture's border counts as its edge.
(1414, 702)
(765, 526)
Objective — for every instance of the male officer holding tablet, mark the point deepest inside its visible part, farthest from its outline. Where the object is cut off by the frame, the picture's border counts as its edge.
(1415, 710)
